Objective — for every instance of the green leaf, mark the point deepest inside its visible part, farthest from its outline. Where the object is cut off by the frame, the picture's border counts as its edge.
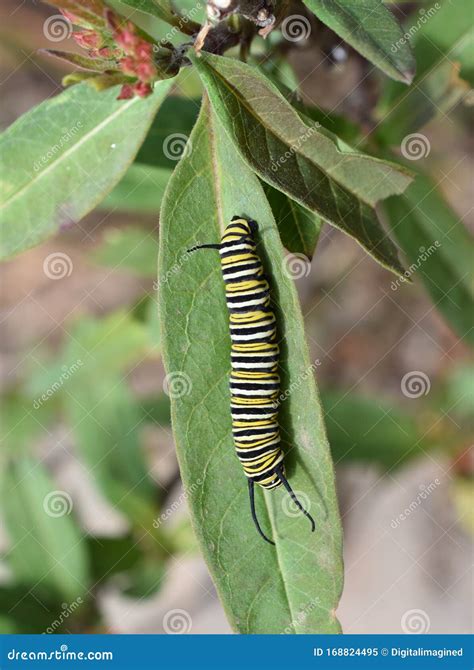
(295, 586)
(132, 248)
(84, 62)
(372, 30)
(106, 423)
(64, 156)
(299, 228)
(435, 93)
(35, 610)
(104, 348)
(166, 138)
(338, 185)
(440, 251)
(442, 40)
(141, 189)
(88, 13)
(143, 186)
(357, 426)
(24, 420)
(446, 33)
(163, 9)
(46, 545)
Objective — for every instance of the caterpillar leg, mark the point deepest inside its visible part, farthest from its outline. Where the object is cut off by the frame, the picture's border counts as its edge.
(254, 513)
(287, 486)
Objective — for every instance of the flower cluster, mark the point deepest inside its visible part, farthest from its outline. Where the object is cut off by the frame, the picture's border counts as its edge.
(137, 57)
(118, 51)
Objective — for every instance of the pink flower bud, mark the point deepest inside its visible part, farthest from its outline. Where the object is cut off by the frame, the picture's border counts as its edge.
(145, 71)
(128, 66)
(142, 89)
(144, 50)
(126, 92)
(87, 39)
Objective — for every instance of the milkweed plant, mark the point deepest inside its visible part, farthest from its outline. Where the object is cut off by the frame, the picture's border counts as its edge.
(195, 112)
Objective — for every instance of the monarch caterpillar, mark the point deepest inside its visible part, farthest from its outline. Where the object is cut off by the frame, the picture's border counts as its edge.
(254, 380)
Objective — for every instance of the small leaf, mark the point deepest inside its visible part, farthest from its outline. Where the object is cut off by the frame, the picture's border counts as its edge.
(163, 9)
(141, 189)
(293, 587)
(106, 422)
(435, 93)
(89, 13)
(299, 228)
(46, 546)
(132, 248)
(442, 41)
(57, 174)
(167, 136)
(357, 426)
(143, 185)
(440, 251)
(84, 62)
(338, 185)
(372, 30)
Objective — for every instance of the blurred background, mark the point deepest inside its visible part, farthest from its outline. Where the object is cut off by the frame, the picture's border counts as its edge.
(94, 529)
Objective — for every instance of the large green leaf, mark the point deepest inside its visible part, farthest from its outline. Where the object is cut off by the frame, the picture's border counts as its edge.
(294, 586)
(372, 29)
(47, 548)
(440, 251)
(338, 185)
(61, 159)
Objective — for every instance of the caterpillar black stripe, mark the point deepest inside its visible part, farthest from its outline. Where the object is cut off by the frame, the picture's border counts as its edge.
(254, 380)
